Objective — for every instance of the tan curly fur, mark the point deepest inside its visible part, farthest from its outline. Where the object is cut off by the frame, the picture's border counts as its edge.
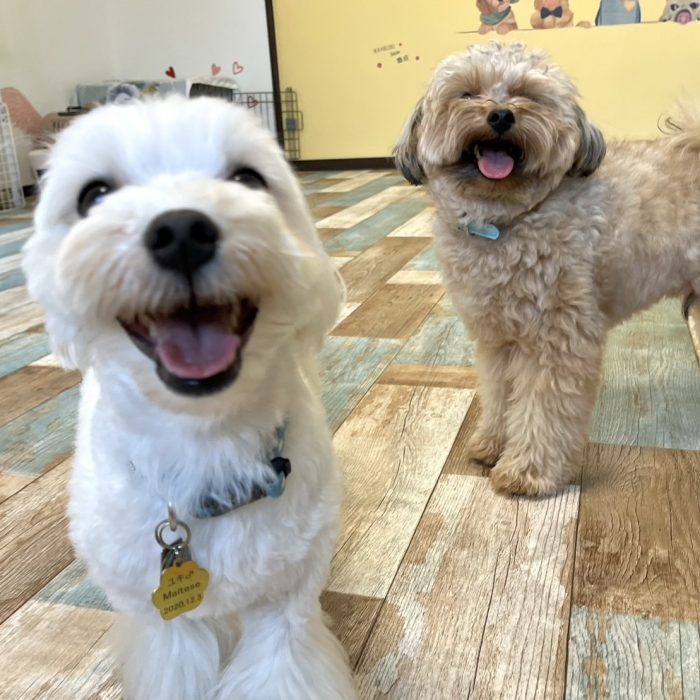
(586, 240)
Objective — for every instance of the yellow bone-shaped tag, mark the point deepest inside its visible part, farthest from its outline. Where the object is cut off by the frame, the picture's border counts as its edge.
(182, 588)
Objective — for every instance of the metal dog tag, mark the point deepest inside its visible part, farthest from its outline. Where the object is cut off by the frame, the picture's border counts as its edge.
(182, 582)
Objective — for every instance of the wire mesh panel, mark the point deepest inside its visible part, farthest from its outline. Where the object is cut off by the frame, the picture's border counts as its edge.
(11, 195)
(262, 104)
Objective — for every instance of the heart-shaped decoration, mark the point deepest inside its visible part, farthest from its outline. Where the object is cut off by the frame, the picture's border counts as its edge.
(237, 68)
(252, 102)
(215, 70)
(170, 72)
(630, 5)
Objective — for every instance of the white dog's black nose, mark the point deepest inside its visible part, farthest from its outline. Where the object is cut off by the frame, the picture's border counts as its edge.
(182, 240)
(500, 120)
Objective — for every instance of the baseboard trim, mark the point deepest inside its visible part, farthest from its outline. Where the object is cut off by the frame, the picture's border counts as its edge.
(345, 164)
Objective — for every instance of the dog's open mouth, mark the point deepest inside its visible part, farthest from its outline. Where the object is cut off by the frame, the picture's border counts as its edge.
(495, 159)
(197, 349)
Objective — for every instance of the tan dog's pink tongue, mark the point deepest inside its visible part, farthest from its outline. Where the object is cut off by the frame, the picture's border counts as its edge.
(195, 350)
(495, 165)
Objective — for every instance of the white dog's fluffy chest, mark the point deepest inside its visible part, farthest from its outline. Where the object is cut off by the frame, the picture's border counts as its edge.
(258, 548)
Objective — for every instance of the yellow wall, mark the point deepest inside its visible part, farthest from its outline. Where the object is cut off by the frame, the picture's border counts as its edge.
(628, 75)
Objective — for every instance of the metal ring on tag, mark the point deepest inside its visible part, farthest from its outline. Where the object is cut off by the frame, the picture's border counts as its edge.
(160, 528)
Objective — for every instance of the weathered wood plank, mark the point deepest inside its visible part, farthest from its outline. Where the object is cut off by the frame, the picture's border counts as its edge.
(57, 651)
(10, 263)
(694, 327)
(624, 656)
(650, 395)
(349, 367)
(352, 617)
(11, 484)
(638, 534)
(415, 277)
(441, 340)
(11, 279)
(421, 225)
(19, 319)
(393, 311)
(369, 270)
(392, 449)
(375, 227)
(30, 386)
(480, 605)
(34, 544)
(426, 261)
(22, 350)
(364, 206)
(40, 438)
(352, 183)
(372, 189)
(459, 460)
(425, 375)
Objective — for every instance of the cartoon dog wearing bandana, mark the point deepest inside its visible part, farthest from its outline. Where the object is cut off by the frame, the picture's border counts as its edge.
(496, 16)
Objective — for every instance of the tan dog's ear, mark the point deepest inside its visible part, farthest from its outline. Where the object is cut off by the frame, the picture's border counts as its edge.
(406, 150)
(591, 148)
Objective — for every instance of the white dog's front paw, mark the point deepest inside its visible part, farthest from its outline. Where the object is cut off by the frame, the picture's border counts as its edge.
(485, 447)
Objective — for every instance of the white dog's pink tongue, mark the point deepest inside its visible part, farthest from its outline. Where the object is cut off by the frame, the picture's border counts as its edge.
(195, 350)
(495, 165)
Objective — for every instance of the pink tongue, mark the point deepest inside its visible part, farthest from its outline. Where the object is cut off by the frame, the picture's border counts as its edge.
(496, 165)
(195, 350)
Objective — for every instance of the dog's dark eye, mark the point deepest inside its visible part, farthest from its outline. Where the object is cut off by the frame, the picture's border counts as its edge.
(93, 193)
(693, 5)
(250, 178)
(467, 95)
(674, 7)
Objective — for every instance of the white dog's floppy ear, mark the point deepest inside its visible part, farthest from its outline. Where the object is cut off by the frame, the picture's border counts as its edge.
(591, 150)
(406, 150)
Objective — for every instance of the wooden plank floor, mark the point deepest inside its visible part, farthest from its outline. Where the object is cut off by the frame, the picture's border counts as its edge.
(439, 588)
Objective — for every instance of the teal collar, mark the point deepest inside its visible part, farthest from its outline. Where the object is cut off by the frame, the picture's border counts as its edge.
(489, 231)
(210, 507)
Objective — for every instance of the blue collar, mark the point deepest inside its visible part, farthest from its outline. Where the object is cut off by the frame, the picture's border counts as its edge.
(489, 231)
(210, 507)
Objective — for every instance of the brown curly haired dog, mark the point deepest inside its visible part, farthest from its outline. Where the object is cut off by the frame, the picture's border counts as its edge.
(545, 246)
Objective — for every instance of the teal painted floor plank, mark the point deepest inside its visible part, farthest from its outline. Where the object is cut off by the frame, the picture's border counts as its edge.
(425, 261)
(626, 656)
(349, 367)
(15, 226)
(373, 229)
(650, 394)
(22, 350)
(40, 437)
(363, 191)
(11, 279)
(71, 587)
(11, 248)
(442, 339)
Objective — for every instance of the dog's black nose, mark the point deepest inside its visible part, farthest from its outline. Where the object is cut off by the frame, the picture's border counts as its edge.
(182, 240)
(500, 120)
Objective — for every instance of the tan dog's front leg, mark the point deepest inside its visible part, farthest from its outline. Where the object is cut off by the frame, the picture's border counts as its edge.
(548, 418)
(487, 442)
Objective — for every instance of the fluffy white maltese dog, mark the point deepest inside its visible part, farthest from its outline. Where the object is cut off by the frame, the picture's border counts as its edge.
(180, 271)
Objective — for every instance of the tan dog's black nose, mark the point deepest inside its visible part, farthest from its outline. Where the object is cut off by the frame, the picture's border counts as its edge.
(182, 240)
(500, 120)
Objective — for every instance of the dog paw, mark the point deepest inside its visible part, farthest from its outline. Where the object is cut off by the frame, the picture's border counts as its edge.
(485, 448)
(522, 480)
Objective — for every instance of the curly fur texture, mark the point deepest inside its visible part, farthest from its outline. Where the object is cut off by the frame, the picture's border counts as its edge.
(587, 240)
(259, 632)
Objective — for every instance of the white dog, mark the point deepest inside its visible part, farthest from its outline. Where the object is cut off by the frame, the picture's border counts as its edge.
(180, 271)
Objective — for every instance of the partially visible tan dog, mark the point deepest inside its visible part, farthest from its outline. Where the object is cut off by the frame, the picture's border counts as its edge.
(543, 251)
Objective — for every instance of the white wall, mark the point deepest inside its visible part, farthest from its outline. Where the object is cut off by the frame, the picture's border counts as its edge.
(47, 46)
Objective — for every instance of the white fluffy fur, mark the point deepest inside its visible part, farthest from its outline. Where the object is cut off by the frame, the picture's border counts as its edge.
(259, 633)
